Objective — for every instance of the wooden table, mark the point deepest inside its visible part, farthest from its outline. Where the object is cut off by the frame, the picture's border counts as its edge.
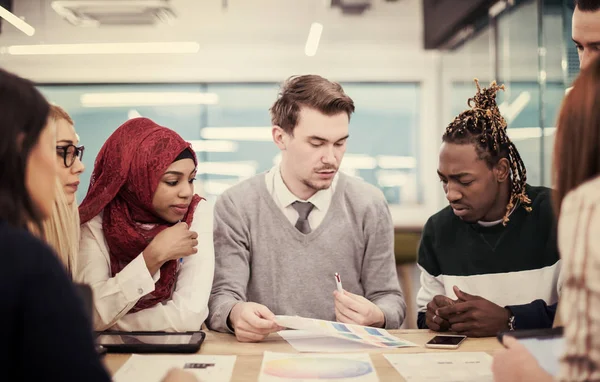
(249, 355)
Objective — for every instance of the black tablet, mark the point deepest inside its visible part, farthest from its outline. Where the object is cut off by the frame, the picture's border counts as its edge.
(541, 334)
(546, 345)
(150, 342)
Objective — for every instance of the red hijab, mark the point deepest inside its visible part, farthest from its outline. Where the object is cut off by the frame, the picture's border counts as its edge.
(126, 174)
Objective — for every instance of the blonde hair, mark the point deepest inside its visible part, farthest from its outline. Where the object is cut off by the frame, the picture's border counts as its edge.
(57, 113)
(61, 229)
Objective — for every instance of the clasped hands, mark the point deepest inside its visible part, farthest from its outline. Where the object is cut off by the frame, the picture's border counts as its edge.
(473, 316)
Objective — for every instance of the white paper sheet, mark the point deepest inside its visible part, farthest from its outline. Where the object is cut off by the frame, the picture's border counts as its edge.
(362, 334)
(305, 341)
(152, 368)
(443, 366)
(282, 367)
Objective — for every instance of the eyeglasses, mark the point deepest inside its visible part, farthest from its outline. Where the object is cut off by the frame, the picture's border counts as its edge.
(69, 153)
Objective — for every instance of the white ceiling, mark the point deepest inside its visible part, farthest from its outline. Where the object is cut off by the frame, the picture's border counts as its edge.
(241, 22)
(263, 40)
(250, 39)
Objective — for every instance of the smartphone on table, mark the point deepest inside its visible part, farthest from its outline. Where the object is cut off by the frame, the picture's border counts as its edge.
(448, 341)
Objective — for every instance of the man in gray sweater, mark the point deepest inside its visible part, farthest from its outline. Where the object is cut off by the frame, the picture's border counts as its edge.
(282, 235)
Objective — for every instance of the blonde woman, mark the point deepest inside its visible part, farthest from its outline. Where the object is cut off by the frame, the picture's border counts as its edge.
(61, 230)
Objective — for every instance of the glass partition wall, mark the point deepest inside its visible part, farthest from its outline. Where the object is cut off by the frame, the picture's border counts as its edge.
(230, 129)
(527, 47)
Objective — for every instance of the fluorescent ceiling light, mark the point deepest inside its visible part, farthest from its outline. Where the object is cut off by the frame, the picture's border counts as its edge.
(497, 8)
(522, 133)
(350, 172)
(312, 42)
(358, 162)
(239, 169)
(106, 48)
(214, 146)
(511, 111)
(133, 114)
(386, 178)
(257, 134)
(147, 99)
(394, 162)
(215, 187)
(350, 163)
(17, 22)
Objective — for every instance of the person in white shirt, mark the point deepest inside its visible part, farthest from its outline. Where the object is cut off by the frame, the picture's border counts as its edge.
(280, 237)
(146, 239)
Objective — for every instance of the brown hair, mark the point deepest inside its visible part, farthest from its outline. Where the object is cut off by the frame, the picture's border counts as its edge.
(483, 126)
(577, 141)
(587, 5)
(310, 91)
(57, 113)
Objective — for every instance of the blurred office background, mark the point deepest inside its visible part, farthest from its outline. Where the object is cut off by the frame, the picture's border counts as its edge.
(210, 70)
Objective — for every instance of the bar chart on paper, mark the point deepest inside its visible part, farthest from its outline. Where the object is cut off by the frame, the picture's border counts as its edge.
(375, 337)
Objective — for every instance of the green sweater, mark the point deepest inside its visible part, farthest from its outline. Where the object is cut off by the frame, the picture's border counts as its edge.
(508, 265)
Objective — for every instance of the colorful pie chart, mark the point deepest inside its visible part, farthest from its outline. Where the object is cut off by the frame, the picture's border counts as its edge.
(317, 368)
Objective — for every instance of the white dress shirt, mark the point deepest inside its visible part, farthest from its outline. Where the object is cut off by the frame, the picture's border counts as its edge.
(115, 296)
(284, 198)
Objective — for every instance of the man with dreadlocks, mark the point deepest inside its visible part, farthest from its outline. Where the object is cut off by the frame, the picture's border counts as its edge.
(492, 251)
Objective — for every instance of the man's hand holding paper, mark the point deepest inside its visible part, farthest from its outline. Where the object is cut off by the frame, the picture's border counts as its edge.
(252, 322)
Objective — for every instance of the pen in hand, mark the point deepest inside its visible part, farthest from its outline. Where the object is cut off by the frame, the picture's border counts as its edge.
(181, 258)
(338, 282)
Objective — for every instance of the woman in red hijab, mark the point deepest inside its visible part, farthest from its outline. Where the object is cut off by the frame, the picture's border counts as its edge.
(146, 239)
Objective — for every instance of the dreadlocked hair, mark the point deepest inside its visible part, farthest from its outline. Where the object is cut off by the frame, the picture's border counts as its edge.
(484, 126)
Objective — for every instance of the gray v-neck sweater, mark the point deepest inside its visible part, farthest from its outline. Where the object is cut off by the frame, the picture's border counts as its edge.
(261, 257)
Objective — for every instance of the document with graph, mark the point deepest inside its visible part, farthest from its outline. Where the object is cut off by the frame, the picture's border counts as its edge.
(366, 335)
